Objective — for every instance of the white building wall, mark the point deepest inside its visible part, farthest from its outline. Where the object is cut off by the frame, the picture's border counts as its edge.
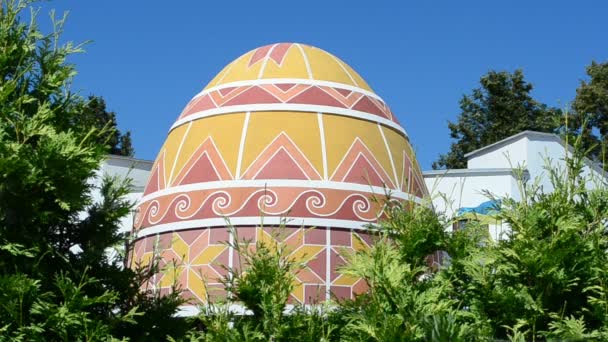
(542, 154)
(491, 169)
(546, 152)
(534, 151)
(455, 189)
(502, 156)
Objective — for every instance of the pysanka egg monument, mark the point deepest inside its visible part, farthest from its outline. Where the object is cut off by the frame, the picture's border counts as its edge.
(286, 133)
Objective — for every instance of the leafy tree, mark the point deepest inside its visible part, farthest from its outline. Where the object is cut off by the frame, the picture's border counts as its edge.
(48, 155)
(501, 107)
(95, 114)
(591, 111)
(548, 278)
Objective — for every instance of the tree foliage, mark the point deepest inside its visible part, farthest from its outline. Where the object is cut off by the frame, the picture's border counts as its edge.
(48, 156)
(95, 114)
(500, 107)
(590, 108)
(546, 279)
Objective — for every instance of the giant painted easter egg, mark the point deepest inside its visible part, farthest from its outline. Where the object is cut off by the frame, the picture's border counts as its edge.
(286, 133)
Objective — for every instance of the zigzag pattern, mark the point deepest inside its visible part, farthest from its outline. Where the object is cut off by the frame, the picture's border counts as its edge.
(288, 93)
(281, 159)
(360, 166)
(205, 165)
(157, 176)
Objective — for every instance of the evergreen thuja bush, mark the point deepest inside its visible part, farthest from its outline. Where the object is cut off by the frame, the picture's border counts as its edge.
(547, 278)
(48, 210)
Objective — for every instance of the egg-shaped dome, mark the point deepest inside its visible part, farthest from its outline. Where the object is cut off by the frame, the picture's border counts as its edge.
(287, 134)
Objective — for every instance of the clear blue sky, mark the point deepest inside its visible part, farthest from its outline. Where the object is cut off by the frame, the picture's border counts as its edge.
(148, 58)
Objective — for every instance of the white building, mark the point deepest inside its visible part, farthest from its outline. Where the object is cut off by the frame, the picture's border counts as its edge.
(493, 169)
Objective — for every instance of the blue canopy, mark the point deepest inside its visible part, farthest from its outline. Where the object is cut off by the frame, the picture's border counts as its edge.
(485, 208)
